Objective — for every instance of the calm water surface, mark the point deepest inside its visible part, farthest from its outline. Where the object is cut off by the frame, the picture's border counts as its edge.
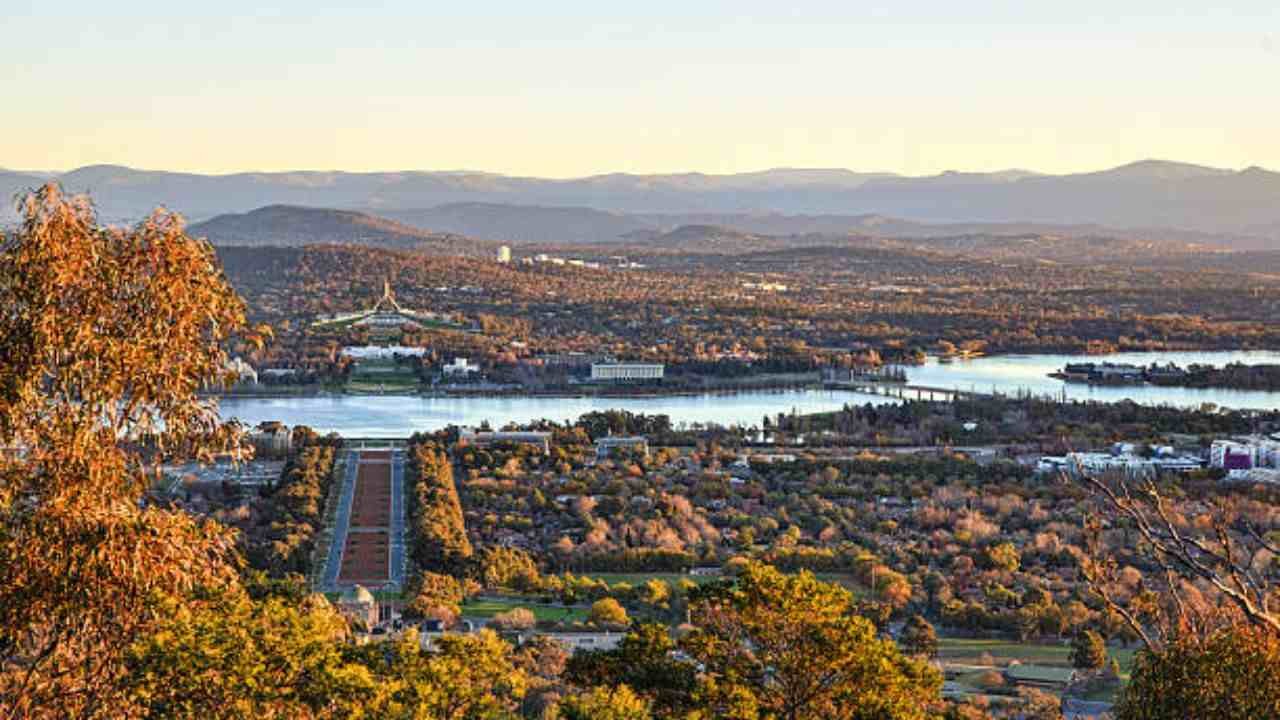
(1010, 373)
(397, 416)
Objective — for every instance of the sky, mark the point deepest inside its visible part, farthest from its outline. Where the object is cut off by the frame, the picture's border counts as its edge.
(564, 89)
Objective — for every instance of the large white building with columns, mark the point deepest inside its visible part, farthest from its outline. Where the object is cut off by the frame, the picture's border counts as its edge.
(627, 371)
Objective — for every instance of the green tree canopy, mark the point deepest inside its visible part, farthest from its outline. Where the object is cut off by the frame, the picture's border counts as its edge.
(789, 646)
(1088, 651)
(608, 611)
(919, 637)
(1233, 674)
(233, 657)
(643, 661)
(606, 703)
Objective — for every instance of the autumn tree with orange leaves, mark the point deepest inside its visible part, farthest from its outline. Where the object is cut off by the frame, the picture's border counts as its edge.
(107, 336)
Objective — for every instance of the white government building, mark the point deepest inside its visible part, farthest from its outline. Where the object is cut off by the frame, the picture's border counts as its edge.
(386, 314)
(627, 371)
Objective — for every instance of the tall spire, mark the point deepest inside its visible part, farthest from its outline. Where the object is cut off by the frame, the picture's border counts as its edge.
(388, 297)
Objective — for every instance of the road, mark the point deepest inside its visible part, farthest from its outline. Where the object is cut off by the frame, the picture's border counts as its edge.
(341, 524)
(396, 543)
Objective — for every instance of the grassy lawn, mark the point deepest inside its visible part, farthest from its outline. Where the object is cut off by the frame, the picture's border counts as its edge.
(488, 607)
(970, 651)
(376, 383)
(379, 595)
(382, 371)
(641, 578)
(635, 579)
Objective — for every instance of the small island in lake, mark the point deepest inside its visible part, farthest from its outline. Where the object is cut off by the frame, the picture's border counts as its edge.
(1234, 376)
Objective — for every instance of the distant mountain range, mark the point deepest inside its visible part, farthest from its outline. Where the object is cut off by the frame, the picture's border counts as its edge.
(1238, 208)
(283, 225)
(1055, 247)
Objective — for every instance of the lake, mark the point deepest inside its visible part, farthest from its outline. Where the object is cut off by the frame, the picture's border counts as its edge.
(1010, 373)
(400, 416)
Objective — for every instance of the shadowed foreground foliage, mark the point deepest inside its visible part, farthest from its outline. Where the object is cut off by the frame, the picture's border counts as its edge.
(789, 646)
(1233, 675)
(106, 335)
(768, 645)
(1206, 613)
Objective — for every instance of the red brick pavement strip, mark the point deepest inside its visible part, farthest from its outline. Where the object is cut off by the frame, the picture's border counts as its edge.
(371, 506)
(365, 556)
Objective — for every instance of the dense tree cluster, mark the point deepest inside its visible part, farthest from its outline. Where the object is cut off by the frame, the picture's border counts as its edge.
(1237, 376)
(1041, 424)
(843, 307)
(106, 336)
(769, 645)
(440, 541)
(291, 513)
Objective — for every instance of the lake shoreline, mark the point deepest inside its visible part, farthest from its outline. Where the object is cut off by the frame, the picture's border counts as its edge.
(404, 413)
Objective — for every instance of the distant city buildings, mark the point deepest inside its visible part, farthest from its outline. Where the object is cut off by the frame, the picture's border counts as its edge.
(553, 260)
(1121, 459)
(606, 445)
(1247, 458)
(271, 439)
(460, 366)
(765, 286)
(484, 439)
(381, 352)
(625, 372)
(245, 374)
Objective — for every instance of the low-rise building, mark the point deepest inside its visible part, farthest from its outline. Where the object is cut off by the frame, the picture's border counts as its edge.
(359, 606)
(520, 437)
(271, 439)
(1245, 453)
(460, 366)
(1083, 464)
(606, 445)
(578, 641)
(627, 372)
(278, 373)
(381, 352)
(569, 359)
(772, 458)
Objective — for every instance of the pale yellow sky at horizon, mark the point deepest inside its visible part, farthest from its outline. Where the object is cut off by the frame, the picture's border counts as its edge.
(572, 89)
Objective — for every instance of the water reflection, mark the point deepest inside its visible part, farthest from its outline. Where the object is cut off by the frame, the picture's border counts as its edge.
(401, 416)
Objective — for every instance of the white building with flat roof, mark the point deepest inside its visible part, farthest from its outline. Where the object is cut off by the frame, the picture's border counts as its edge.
(607, 444)
(381, 352)
(486, 438)
(627, 371)
(460, 366)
